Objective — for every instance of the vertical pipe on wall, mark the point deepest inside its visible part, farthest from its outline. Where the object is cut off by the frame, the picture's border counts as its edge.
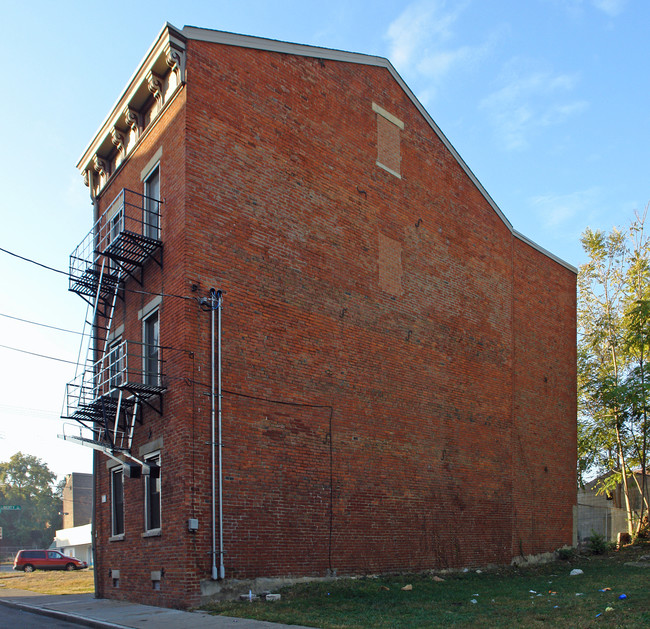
(222, 569)
(215, 573)
(215, 304)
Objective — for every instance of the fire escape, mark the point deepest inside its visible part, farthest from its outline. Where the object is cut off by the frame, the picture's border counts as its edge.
(118, 376)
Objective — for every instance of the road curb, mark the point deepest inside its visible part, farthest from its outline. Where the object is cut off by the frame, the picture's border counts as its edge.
(67, 616)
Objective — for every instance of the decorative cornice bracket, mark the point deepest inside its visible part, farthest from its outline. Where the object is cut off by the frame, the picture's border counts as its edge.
(133, 118)
(155, 85)
(117, 138)
(175, 57)
(100, 165)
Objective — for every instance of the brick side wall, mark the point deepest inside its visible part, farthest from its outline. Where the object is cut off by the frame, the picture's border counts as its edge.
(544, 429)
(377, 412)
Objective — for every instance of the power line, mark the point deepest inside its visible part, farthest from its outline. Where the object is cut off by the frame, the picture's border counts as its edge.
(49, 268)
(24, 351)
(43, 325)
(128, 290)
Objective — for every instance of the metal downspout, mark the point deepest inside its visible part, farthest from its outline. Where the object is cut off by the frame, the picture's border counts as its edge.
(215, 304)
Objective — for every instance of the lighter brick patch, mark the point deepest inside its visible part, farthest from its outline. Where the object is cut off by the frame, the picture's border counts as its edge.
(390, 265)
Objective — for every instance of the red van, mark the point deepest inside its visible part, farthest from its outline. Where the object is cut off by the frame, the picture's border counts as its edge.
(30, 560)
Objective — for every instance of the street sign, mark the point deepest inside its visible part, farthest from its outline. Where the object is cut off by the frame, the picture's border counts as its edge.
(10, 507)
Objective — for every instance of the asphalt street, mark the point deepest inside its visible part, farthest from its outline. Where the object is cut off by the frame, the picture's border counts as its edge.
(10, 617)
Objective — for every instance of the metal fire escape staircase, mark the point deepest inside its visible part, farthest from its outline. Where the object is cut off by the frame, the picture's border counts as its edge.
(116, 377)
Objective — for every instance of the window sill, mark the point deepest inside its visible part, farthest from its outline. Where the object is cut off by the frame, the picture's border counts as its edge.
(116, 538)
(152, 533)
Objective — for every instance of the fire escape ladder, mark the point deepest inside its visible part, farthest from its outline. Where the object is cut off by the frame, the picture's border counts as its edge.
(132, 425)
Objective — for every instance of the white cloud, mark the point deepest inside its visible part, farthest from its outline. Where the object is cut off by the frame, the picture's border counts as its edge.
(611, 7)
(530, 100)
(422, 41)
(559, 211)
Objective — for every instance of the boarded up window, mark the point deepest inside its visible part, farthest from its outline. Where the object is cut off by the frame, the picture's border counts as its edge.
(390, 265)
(388, 141)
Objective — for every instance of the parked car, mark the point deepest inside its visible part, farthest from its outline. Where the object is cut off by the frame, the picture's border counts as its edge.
(30, 560)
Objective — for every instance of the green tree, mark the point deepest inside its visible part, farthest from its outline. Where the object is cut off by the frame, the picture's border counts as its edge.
(613, 350)
(27, 481)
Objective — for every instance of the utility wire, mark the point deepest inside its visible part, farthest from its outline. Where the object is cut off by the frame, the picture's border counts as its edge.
(43, 325)
(24, 351)
(49, 268)
(128, 290)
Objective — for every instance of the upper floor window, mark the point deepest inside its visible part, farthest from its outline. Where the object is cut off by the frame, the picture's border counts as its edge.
(151, 342)
(151, 215)
(115, 363)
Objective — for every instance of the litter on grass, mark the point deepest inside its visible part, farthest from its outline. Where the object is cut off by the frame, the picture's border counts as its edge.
(622, 596)
(473, 601)
(609, 609)
(575, 572)
(407, 588)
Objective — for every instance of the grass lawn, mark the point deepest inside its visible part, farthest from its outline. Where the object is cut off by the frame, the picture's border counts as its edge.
(538, 596)
(50, 581)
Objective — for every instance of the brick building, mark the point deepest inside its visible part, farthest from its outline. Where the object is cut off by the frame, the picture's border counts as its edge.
(398, 363)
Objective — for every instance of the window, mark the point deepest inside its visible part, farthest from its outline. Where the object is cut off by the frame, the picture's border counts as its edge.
(151, 358)
(115, 364)
(117, 501)
(116, 227)
(151, 217)
(152, 483)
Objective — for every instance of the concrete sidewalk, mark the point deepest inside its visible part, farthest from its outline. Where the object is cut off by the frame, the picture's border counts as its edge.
(89, 611)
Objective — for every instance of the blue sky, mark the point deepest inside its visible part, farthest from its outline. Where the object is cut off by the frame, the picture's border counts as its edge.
(545, 100)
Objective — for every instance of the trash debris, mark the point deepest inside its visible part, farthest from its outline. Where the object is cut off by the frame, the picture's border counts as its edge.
(580, 593)
(473, 601)
(273, 597)
(609, 609)
(407, 588)
(622, 596)
(575, 572)
(601, 613)
(465, 569)
(385, 588)
(556, 607)
(532, 591)
(605, 590)
(437, 579)
(552, 593)
(250, 597)
(479, 571)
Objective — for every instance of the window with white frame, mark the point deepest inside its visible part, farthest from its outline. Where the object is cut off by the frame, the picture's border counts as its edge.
(117, 501)
(151, 216)
(115, 363)
(152, 484)
(151, 349)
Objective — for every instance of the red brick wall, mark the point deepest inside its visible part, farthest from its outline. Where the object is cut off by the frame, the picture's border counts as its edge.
(544, 432)
(410, 432)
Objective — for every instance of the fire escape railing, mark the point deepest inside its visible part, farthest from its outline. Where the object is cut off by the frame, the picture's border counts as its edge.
(125, 236)
(104, 397)
(116, 379)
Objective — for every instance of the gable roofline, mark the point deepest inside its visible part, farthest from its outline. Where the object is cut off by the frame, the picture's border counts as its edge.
(332, 54)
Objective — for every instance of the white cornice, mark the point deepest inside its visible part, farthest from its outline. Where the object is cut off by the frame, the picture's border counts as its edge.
(137, 87)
